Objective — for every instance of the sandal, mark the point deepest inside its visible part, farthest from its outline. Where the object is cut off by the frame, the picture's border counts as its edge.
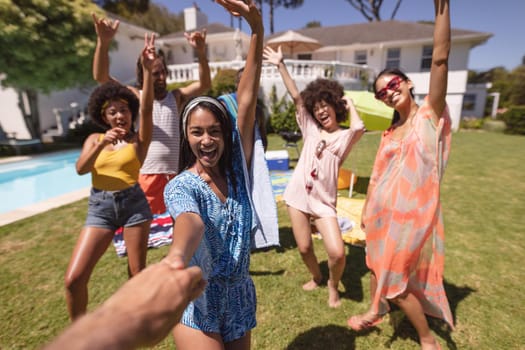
(357, 323)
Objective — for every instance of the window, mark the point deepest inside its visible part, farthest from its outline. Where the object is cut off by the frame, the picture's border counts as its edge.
(469, 102)
(393, 58)
(304, 56)
(360, 57)
(426, 58)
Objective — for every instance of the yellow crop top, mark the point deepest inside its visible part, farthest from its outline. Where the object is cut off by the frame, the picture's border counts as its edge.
(116, 170)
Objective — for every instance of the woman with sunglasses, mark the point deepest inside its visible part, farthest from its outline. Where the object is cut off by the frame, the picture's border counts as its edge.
(402, 215)
(312, 190)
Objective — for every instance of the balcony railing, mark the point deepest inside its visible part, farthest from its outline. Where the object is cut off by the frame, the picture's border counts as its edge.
(351, 76)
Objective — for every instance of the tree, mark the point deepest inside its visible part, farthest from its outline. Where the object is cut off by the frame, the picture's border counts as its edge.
(159, 19)
(370, 8)
(124, 8)
(273, 4)
(313, 24)
(45, 46)
(517, 92)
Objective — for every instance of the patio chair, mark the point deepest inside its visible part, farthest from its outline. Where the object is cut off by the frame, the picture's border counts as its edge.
(291, 138)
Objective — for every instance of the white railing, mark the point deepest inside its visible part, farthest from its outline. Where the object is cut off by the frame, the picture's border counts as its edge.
(348, 74)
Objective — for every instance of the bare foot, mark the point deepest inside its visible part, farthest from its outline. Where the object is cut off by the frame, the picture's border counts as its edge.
(364, 321)
(430, 345)
(312, 284)
(333, 296)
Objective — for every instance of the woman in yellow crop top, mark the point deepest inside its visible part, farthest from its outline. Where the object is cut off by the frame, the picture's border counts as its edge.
(113, 159)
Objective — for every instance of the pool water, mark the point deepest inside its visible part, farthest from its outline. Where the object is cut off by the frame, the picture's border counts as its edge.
(31, 181)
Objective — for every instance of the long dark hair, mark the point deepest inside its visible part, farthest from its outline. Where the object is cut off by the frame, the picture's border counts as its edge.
(187, 158)
(399, 73)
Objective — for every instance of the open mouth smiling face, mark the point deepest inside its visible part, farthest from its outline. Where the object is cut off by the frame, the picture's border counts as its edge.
(205, 137)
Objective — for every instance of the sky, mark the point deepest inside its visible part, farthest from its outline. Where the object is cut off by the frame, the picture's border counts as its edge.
(503, 18)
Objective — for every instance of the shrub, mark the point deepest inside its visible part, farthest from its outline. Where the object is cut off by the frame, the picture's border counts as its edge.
(282, 113)
(514, 118)
(494, 125)
(224, 82)
(471, 123)
(174, 86)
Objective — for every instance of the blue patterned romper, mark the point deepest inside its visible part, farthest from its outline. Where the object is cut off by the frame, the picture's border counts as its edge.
(228, 303)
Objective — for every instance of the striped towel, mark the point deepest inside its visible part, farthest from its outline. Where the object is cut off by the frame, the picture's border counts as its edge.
(161, 234)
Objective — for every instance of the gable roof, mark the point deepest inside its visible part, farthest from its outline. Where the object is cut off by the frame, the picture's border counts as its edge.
(383, 32)
(211, 28)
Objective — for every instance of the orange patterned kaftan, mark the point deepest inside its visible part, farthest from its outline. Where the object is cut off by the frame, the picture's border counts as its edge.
(403, 220)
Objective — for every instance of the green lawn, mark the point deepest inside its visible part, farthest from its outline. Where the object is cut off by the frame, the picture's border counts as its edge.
(484, 206)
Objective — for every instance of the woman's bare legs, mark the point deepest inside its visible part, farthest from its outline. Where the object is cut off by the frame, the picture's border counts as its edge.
(414, 311)
(369, 318)
(303, 238)
(91, 245)
(187, 338)
(334, 245)
(136, 239)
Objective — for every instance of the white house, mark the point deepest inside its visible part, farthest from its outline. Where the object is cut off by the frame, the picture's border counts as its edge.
(346, 53)
(59, 108)
(352, 54)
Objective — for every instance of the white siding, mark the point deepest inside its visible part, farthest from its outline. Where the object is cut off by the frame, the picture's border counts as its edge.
(11, 119)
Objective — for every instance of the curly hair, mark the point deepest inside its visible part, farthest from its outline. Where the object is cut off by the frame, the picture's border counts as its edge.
(111, 91)
(329, 91)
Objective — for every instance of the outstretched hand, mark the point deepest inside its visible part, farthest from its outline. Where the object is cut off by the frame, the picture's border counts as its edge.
(272, 56)
(348, 102)
(158, 296)
(245, 8)
(105, 28)
(148, 53)
(141, 313)
(197, 40)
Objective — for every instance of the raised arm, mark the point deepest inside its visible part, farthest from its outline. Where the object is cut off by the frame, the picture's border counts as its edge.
(356, 123)
(248, 87)
(146, 98)
(106, 30)
(440, 53)
(197, 40)
(276, 58)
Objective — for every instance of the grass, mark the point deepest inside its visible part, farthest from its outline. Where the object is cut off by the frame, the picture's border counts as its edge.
(483, 197)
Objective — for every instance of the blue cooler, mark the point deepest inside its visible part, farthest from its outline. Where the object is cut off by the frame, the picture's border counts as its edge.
(277, 160)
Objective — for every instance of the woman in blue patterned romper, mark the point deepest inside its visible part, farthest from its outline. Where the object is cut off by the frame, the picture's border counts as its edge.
(211, 207)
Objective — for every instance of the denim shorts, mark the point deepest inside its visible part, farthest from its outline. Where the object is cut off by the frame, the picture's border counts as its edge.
(114, 209)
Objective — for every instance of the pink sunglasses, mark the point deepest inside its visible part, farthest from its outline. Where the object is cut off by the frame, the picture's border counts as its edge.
(392, 85)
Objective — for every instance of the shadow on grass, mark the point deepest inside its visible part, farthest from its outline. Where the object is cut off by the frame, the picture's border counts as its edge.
(337, 337)
(353, 273)
(322, 338)
(361, 185)
(286, 239)
(403, 328)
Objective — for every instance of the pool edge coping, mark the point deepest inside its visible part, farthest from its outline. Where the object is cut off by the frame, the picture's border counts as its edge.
(37, 208)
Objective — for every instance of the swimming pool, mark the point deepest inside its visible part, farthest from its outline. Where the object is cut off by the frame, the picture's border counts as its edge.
(27, 182)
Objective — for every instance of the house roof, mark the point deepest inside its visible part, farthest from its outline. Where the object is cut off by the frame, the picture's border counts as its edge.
(382, 32)
(211, 28)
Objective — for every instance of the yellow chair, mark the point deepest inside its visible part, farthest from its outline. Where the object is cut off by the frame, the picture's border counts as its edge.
(345, 176)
